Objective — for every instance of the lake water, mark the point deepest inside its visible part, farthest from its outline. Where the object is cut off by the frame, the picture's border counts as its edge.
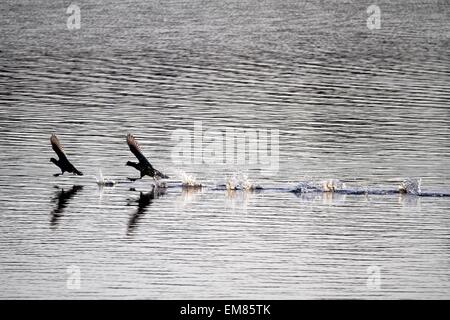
(368, 107)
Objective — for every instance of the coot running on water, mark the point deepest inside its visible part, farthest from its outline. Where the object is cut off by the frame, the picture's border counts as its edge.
(144, 166)
(63, 163)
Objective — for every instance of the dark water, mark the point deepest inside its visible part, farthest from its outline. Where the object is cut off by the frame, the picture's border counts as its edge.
(368, 107)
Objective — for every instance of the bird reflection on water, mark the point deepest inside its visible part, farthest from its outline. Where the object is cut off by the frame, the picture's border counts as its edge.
(62, 199)
(144, 201)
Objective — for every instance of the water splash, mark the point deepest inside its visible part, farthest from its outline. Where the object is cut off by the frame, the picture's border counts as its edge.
(332, 185)
(104, 182)
(246, 184)
(307, 186)
(411, 186)
(188, 180)
(232, 183)
(240, 181)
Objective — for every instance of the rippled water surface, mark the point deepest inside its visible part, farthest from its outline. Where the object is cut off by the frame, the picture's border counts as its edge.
(368, 107)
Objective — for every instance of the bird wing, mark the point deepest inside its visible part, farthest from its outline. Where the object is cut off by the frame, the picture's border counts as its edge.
(136, 150)
(57, 147)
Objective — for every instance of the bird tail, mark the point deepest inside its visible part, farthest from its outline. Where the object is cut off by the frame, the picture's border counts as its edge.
(78, 173)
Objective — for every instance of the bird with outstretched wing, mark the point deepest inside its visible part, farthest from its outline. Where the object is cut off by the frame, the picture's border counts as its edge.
(143, 166)
(63, 163)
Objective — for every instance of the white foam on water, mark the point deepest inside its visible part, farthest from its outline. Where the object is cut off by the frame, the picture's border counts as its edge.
(240, 181)
(188, 180)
